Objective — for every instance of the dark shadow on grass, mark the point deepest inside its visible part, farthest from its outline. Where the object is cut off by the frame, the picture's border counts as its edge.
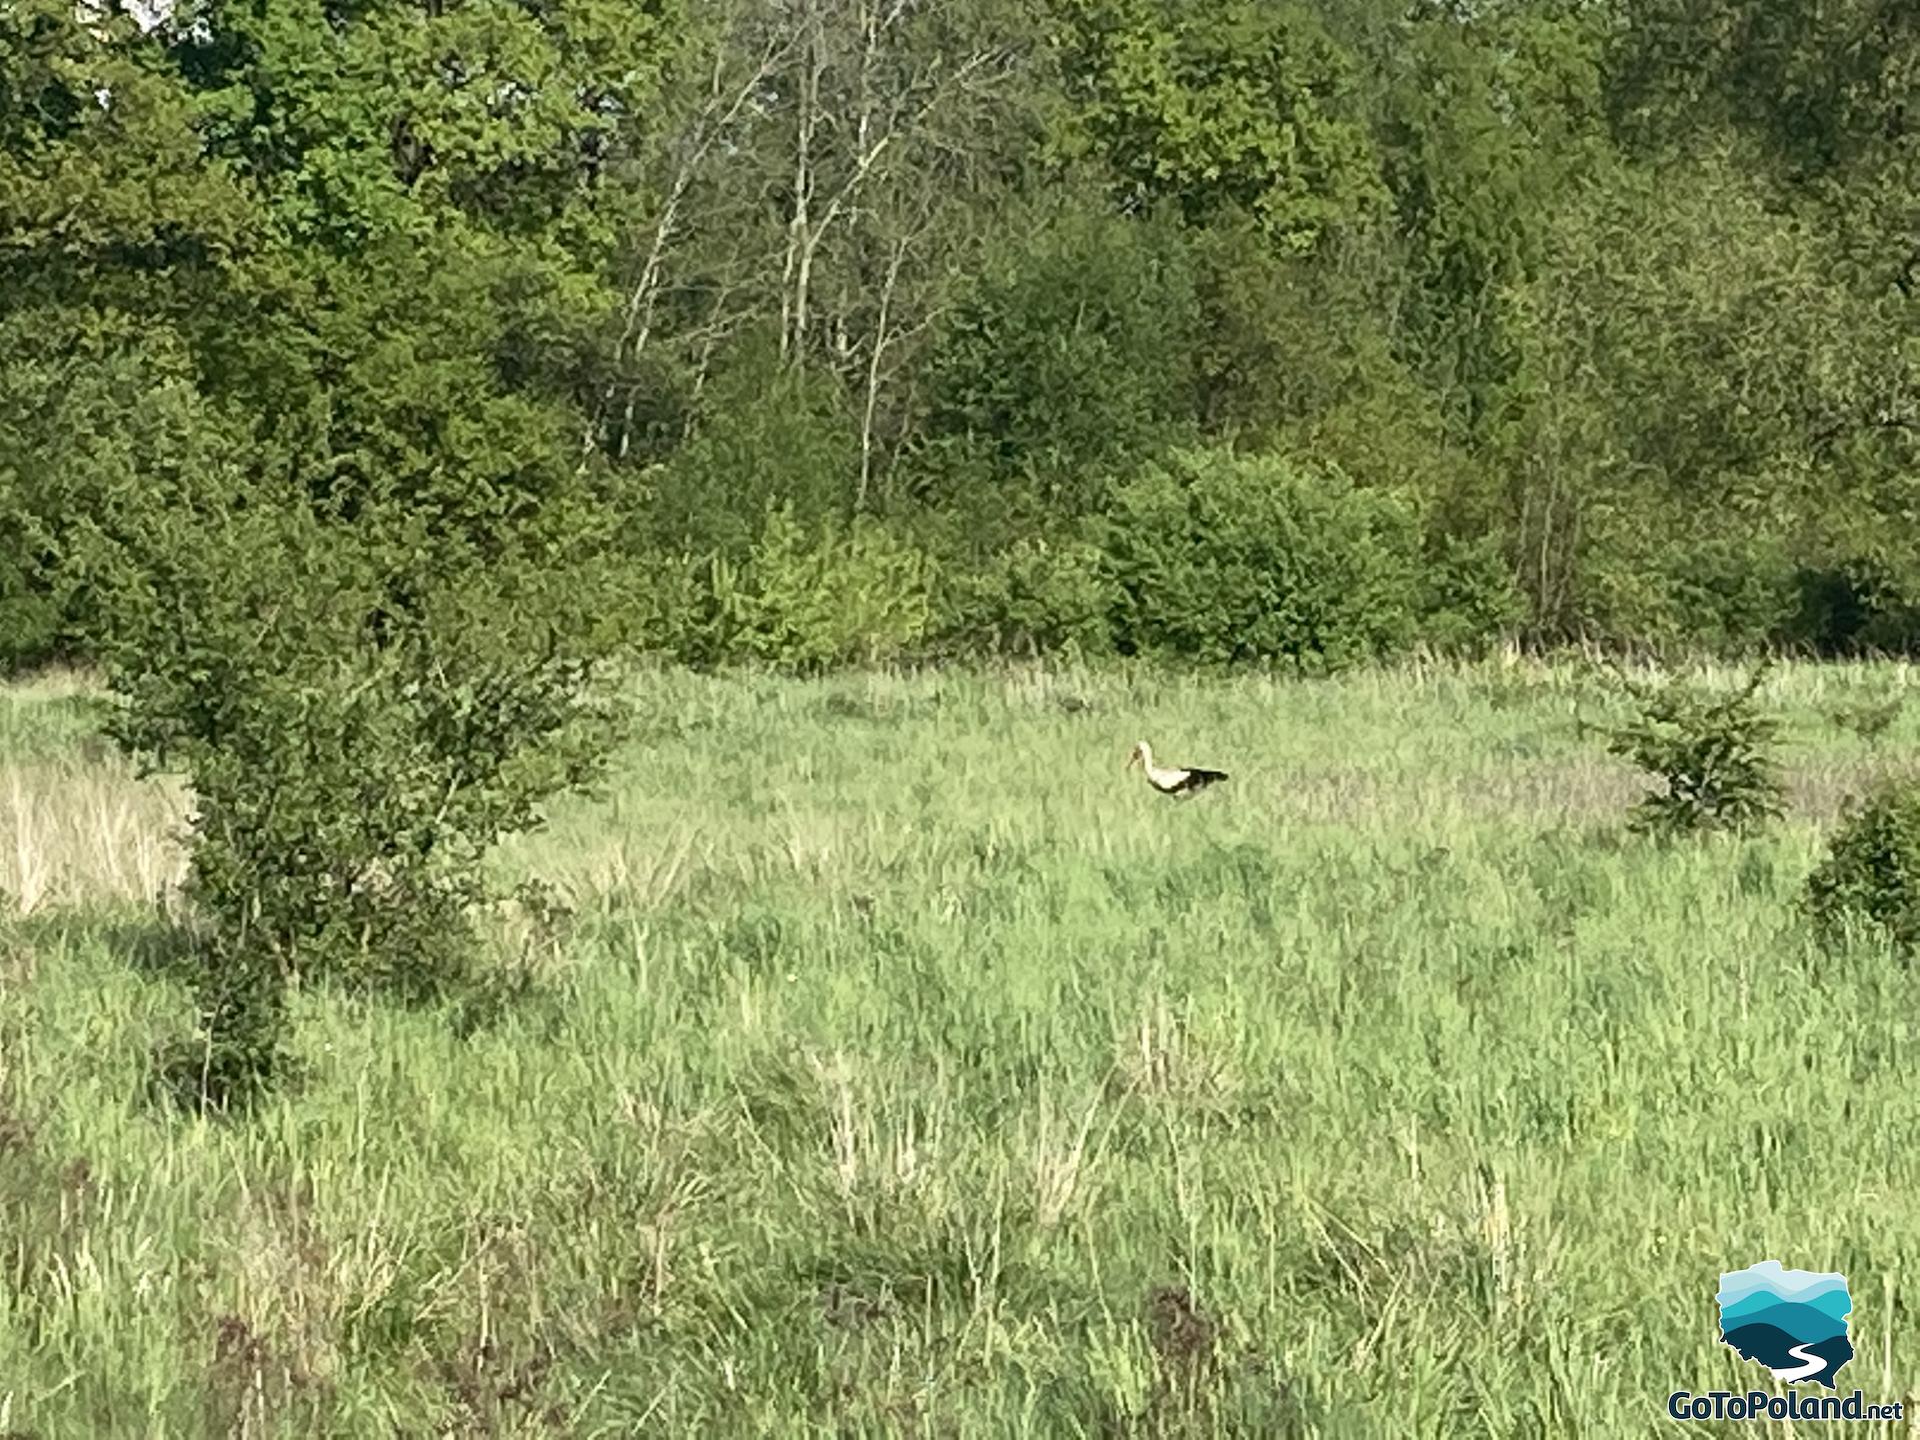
(188, 1070)
(230, 1051)
(152, 943)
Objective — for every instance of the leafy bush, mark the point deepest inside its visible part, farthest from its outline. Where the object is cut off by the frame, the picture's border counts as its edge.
(804, 599)
(1730, 594)
(68, 439)
(1031, 599)
(34, 626)
(768, 434)
(1068, 356)
(1858, 606)
(1871, 876)
(1223, 558)
(1469, 600)
(359, 720)
(857, 594)
(1711, 752)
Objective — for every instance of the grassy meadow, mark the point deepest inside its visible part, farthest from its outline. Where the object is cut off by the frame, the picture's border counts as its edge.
(900, 1066)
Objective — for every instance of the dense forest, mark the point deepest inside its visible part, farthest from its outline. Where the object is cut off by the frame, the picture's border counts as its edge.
(824, 331)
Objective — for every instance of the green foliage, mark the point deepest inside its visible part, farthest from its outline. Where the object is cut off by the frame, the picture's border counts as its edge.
(1065, 360)
(351, 757)
(1817, 86)
(1249, 107)
(1870, 877)
(1689, 361)
(1469, 600)
(1619, 304)
(765, 435)
(805, 598)
(106, 187)
(1711, 752)
(1729, 594)
(385, 118)
(297, 303)
(1865, 603)
(1225, 559)
(1031, 599)
(1483, 120)
(853, 595)
(71, 446)
(1293, 352)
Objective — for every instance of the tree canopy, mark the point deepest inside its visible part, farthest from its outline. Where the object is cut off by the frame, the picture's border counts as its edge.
(1615, 303)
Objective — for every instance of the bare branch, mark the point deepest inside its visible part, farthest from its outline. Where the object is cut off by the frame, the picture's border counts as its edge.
(714, 119)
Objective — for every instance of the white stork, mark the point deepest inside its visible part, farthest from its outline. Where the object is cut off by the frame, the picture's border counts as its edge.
(1172, 779)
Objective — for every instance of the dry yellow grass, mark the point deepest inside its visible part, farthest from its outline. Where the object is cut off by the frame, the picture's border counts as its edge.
(79, 829)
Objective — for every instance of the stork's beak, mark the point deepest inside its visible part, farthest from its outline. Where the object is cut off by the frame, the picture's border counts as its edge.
(1133, 759)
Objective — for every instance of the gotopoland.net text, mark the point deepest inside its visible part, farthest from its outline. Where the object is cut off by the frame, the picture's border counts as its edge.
(1759, 1405)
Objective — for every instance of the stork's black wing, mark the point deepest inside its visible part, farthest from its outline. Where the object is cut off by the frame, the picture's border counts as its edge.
(1198, 780)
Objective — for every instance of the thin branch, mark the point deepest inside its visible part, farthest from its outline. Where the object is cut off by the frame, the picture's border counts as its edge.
(708, 125)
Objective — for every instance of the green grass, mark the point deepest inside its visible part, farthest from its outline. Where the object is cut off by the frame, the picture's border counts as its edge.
(907, 1068)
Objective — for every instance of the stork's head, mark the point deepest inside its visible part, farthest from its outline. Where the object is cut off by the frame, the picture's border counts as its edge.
(1141, 754)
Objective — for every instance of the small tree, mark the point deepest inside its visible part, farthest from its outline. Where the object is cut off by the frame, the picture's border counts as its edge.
(1711, 753)
(807, 598)
(360, 714)
(1230, 559)
(1871, 875)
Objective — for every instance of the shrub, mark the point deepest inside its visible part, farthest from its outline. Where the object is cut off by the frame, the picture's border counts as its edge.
(1068, 354)
(1469, 599)
(768, 434)
(1033, 598)
(807, 598)
(1871, 876)
(1222, 558)
(854, 594)
(1710, 752)
(360, 716)
(1861, 605)
(667, 601)
(34, 626)
(68, 439)
(1729, 594)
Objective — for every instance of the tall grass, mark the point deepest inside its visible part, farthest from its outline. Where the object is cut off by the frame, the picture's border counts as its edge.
(905, 1067)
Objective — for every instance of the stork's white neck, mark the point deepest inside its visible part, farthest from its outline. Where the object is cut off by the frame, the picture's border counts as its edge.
(1158, 775)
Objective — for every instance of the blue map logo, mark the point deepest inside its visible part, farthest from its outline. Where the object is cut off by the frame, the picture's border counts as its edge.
(1794, 1322)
